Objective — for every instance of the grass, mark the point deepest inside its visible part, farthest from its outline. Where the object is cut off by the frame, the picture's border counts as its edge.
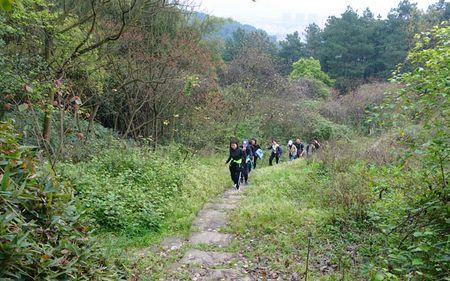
(139, 255)
(283, 207)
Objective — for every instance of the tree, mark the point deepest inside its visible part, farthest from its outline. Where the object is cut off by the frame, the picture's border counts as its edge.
(254, 70)
(242, 40)
(61, 45)
(396, 35)
(347, 49)
(309, 68)
(161, 70)
(291, 50)
(313, 35)
(437, 13)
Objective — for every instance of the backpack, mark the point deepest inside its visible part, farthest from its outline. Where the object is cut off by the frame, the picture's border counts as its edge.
(279, 150)
(259, 153)
(248, 159)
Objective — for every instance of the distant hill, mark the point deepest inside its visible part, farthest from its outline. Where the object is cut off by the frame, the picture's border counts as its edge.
(230, 26)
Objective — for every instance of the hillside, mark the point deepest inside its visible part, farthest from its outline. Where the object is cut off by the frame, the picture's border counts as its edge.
(227, 27)
(134, 147)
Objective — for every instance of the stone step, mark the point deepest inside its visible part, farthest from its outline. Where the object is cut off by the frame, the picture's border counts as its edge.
(220, 206)
(210, 220)
(172, 243)
(218, 274)
(206, 259)
(211, 238)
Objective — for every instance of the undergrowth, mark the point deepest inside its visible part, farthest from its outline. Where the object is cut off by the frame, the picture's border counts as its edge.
(365, 214)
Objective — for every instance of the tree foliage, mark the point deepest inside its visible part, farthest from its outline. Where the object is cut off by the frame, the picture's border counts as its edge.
(291, 50)
(242, 40)
(6, 4)
(354, 48)
(309, 68)
(420, 112)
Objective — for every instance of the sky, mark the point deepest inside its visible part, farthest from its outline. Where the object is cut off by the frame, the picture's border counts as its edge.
(280, 17)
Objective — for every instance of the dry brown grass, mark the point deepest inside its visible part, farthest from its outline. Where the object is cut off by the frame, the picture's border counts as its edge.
(351, 109)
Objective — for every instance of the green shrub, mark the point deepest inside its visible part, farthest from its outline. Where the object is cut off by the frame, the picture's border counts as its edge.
(41, 236)
(345, 85)
(309, 68)
(394, 201)
(316, 126)
(417, 239)
(309, 88)
(127, 190)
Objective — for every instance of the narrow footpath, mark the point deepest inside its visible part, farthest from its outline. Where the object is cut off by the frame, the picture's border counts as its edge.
(207, 256)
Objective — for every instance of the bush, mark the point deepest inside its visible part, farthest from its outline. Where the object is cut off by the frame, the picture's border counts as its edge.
(352, 109)
(346, 185)
(127, 190)
(309, 68)
(307, 87)
(41, 236)
(417, 240)
(345, 85)
(392, 198)
(314, 125)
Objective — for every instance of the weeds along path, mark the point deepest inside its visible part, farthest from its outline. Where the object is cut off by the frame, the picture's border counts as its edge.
(207, 254)
(234, 236)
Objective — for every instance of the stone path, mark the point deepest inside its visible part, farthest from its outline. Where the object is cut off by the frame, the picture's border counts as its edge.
(206, 257)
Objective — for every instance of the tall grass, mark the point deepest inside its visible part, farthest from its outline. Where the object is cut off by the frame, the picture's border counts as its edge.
(369, 213)
(285, 205)
(203, 178)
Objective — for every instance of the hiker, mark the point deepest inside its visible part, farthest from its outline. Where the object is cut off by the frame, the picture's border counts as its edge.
(235, 159)
(292, 150)
(312, 147)
(256, 151)
(316, 144)
(300, 147)
(276, 152)
(247, 165)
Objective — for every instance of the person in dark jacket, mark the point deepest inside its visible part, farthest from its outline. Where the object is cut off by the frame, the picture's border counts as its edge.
(236, 159)
(246, 166)
(300, 147)
(254, 146)
(276, 152)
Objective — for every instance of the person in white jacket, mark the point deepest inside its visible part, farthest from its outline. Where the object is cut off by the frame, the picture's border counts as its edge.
(292, 150)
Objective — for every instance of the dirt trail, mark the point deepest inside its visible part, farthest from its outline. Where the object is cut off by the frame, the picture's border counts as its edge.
(207, 257)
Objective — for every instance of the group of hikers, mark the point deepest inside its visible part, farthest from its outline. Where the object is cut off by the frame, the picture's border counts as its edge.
(243, 157)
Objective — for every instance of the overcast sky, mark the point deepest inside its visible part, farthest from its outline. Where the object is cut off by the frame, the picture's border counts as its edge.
(279, 17)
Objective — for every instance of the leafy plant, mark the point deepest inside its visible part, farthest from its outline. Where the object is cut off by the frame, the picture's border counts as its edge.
(41, 235)
(419, 248)
(309, 68)
(127, 191)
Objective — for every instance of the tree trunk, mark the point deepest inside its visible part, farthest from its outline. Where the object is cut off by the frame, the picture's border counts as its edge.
(92, 118)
